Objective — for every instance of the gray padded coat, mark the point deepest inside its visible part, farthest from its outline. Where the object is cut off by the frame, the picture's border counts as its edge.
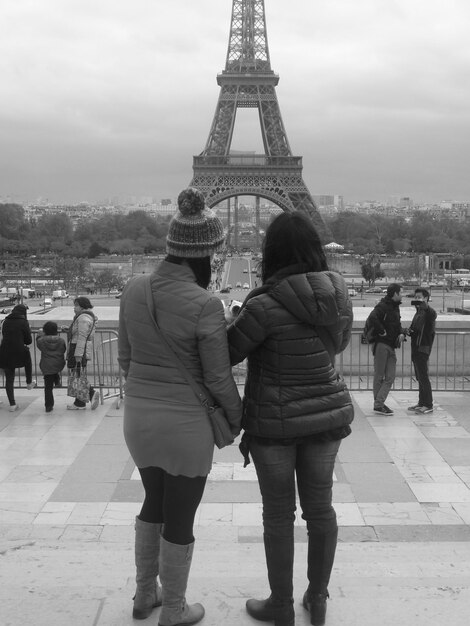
(194, 320)
(292, 389)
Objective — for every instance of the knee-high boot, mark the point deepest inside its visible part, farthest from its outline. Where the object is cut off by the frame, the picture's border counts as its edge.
(321, 556)
(175, 563)
(148, 594)
(279, 607)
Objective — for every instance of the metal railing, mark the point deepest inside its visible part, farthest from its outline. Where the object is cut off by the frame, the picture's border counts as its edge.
(449, 364)
(103, 370)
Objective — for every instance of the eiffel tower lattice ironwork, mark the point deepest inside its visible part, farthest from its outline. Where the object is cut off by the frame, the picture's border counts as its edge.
(249, 81)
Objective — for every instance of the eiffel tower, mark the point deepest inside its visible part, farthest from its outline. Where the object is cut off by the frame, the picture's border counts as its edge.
(248, 81)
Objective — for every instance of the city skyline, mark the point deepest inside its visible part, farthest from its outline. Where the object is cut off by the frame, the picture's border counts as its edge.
(113, 98)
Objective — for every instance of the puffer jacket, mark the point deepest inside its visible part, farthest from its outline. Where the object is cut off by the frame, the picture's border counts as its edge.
(194, 321)
(52, 348)
(81, 333)
(292, 388)
(16, 334)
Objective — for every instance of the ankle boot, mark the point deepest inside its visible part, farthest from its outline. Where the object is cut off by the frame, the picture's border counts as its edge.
(148, 594)
(270, 610)
(175, 563)
(279, 607)
(316, 605)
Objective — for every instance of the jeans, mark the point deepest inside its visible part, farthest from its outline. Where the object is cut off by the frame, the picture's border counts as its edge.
(312, 463)
(385, 365)
(420, 362)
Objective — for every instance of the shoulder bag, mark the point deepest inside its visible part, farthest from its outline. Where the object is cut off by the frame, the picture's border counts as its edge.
(223, 435)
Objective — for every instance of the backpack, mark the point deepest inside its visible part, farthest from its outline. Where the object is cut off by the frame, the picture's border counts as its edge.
(369, 332)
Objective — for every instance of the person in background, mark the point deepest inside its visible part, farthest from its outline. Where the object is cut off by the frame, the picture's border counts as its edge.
(422, 332)
(80, 346)
(14, 351)
(52, 347)
(166, 428)
(386, 320)
(296, 407)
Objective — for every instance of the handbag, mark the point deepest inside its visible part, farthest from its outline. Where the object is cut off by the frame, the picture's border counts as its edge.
(222, 432)
(78, 386)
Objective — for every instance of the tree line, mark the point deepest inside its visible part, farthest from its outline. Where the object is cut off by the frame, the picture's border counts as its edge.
(138, 233)
(133, 233)
(420, 232)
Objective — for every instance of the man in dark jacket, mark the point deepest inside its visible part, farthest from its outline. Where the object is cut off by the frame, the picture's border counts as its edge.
(422, 332)
(385, 319)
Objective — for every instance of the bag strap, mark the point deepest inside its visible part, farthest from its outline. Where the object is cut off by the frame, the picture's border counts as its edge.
(200, 392)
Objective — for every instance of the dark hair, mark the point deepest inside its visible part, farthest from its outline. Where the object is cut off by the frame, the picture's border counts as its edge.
(291, 239)
(201, 268)
(423, 291)
(392, 289)
(50, 328)
(20, 309)
(83, 302)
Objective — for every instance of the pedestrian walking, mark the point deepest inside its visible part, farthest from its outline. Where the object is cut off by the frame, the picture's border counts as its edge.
(52, 347)
(385, 319)
(166, 428)
(296, 407)
(422, 332)
(80, 347)
(14, 351)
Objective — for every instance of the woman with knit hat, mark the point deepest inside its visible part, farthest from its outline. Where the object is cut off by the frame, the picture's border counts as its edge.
(14, 351)
(166, 428)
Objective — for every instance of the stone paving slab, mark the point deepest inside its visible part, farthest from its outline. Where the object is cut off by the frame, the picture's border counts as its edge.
(91, 584)
(69, 493)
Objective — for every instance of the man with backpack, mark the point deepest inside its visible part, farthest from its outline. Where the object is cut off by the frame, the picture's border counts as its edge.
(385, 322)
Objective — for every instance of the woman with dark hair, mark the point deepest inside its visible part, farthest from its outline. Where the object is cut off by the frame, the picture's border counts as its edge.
(166, 428)
(14, 351)
(296, 407)
(80, 346)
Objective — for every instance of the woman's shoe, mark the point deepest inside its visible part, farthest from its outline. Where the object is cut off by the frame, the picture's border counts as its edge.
(95, 400)
(13, 407)
(269, 610)
(31, 385)
(316, 605)
(74, 407)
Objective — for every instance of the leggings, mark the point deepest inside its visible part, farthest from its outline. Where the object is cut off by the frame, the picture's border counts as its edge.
(171, 501)
(10, 379)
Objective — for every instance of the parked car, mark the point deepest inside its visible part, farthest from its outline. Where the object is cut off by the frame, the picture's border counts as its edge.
(225, 290)
(47, 302)
(374, 290)
(238, 285)
(246, 286)
(352, 292)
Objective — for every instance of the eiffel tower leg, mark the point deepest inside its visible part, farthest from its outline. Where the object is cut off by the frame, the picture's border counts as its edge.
(257, 222)
(235, 223)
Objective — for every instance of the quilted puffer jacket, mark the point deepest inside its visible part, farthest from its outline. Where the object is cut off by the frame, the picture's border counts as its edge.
(194, 321)
(286, 330)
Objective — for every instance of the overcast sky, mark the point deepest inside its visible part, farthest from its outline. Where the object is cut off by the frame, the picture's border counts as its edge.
(103, 98)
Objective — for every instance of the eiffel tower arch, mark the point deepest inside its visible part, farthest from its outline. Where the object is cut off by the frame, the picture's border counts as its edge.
(248, 81)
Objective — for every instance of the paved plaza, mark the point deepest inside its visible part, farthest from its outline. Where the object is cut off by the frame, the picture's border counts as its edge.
(69, 493)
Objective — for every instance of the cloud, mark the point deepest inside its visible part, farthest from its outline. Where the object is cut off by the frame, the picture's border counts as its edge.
(113, 94)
